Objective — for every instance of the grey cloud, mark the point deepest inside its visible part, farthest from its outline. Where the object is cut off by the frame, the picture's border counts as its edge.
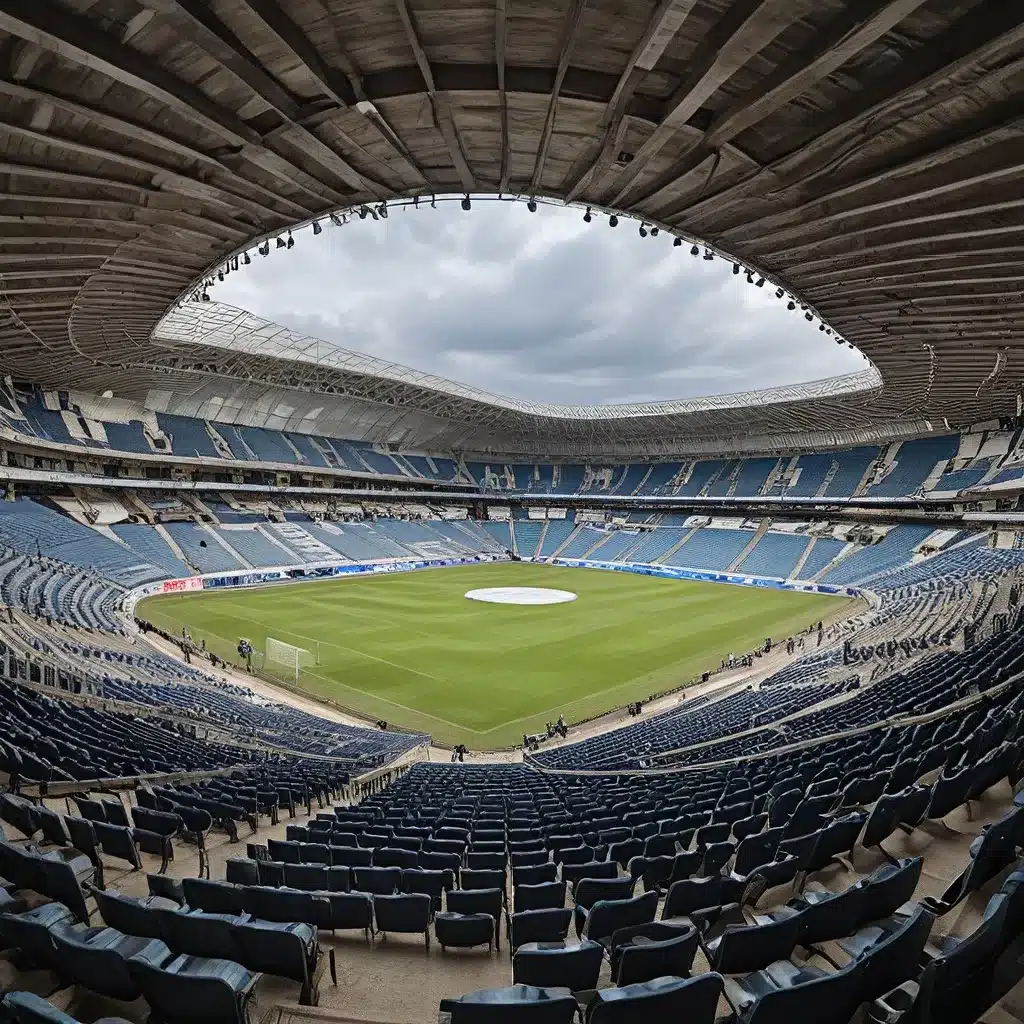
(542, 306)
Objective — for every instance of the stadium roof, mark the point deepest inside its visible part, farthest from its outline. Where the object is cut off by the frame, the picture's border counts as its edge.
(866, 156)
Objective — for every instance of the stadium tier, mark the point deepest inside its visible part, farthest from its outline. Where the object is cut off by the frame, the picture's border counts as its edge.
(937, 465)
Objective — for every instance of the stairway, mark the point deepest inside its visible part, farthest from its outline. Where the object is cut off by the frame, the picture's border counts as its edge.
(761, 530)
(224, 544)
(663, 559)
(846, 551)
(572, 536)
(293, 558)
(593, 547)
(540, 539)
(640, 486)
(173, 545)
(829, 476)
(802, 560)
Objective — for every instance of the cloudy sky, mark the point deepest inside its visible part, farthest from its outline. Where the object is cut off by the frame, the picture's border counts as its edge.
(536, 306)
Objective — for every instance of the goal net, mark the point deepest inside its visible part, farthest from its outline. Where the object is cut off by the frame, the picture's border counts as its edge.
(285, 658)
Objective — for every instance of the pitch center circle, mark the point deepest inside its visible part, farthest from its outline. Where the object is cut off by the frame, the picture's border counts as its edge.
(521, 595)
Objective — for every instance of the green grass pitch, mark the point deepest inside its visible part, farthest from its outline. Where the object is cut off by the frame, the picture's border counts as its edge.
(409, 648)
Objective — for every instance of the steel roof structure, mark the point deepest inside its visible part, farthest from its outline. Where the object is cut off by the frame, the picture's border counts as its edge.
(865, 155)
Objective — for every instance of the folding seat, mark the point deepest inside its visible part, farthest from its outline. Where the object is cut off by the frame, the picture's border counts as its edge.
(607, 916)
(708, 834)
(660, 846)
(476, 878)
(28, 1008)
(315, 853)
(593, 890)
(53, 827)
(286, 949)
(96, 958)
(527, 858)
(781, 808)
(693, 1000)
(644, 952)
(427, 883)
(377, 881)
(213, 897)
(189, 989)
(690, 894)
(30, 933)
(915, 807)
(460, 835)
(883, 820)
(890, 953)
(783, 993)
(622, 853)
(351, 857)
(575, 966)
(749, 826)
(242, 871)
(485, 846)
(802, 848)
(520, 1004)
(756, 850)
(716, 856)
(825, 916)
(491, 861)
(949, 792)
(734, 947)
(837, 838)
(302, 833)
(66, 874)
(889, 887)
(442, 862)
(83, 838)
(117, 841)
(389, 857)
(409, 913)
(284, 851)
(197, 825)
(542, 896)
(115, 813)
(132, 915)
(488, 835)
(685, 865)
(166, 888)
(538, 926)
(472, 903)
(452, 846)
(91, 810)
(575, 873)
(347, 840)
(532, 875)
(957, 981)
(271, 872)
(655, 872)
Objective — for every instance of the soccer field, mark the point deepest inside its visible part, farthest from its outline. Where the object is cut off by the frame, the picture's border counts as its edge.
(409, 647)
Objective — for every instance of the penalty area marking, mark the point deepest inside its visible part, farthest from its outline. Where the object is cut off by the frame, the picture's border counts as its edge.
(521, 595)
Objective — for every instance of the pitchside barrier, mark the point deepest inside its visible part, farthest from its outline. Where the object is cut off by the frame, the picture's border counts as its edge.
(230, 580)
(737, 579)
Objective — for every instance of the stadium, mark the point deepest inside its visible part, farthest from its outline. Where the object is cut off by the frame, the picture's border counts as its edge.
(337, 690)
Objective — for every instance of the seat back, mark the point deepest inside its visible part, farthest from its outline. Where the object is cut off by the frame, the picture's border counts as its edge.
(311, 877)
(533, 874)
(539, 926)
(888, 888)
(693, 1000)
(575, 966)
(689, 894)
(589, 891)
(126, 914)
(663, 951)
(515, 1005)
(608, 915)
(827, 1000)
(213, 897)
(895, 958)
(744, 948)
(476, 901)
(377, 881)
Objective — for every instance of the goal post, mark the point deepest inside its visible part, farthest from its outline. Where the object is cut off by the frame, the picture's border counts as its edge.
(287, 657)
